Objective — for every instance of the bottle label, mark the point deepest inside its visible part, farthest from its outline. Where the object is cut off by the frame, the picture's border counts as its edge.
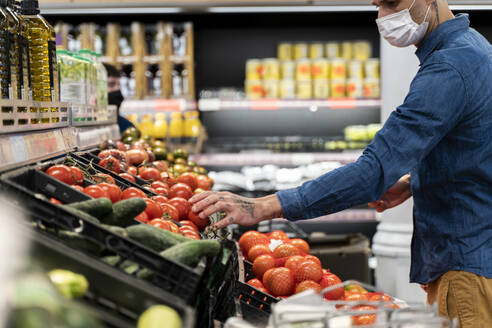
(8, 64)
(53, 70)
(22, 66)
(28, 66)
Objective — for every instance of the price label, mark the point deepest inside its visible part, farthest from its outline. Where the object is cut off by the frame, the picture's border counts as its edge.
(18, 145)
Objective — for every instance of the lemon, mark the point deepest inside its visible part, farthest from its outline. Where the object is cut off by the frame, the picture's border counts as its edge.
(159, 316)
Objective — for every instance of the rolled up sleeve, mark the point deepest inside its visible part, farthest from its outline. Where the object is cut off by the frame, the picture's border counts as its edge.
(435, 103)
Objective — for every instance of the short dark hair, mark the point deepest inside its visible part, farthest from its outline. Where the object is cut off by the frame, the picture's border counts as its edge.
(112, 71)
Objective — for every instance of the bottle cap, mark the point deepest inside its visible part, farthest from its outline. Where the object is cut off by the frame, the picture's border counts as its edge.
(30, 7)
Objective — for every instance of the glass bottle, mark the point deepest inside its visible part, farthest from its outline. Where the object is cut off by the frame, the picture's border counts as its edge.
(24, 64)
(12, 64)
(160, 126)
(176, 128)
(4, 57)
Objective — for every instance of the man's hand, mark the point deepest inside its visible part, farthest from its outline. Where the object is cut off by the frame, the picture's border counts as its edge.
(394, 196)
(240, 210)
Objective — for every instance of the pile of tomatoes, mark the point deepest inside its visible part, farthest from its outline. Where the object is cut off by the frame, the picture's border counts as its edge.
(283, 266)
(162, 211)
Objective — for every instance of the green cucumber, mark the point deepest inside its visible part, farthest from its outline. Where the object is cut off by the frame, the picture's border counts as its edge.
(98, 208)
(81, 214)
(124, 212)
(191, 252)
(111, 260)
(74, 240)
(154, 238)
(117, 230)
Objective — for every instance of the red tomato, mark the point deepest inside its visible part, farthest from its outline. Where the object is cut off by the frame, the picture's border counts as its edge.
(188, 223)
(171, 180)
(197, 220)
(189, 179)
(55, 201)
(364, 319)
(96, 192)
(279, 235)
(150, 174)
(127, 176)
(153, 209)
(203, 182)
(111, 164)
(192, 235)
(61, 173)
(170, 212)
(77, 174)
(313, 258)
(355, 296)
(159, 223)
(79, 188)
(113, 191)
(180, 190)
(308, 270)
(255, 283)
(251, 238)
(137, 156)
(159, 199)
(280, 282)
(142, 217)
(293, 261)
(308, 284)
(328, 280)
(150, 189)
(181, 205)
(158, 184)
(160, 165)
(162, 191)
(285, 250)
(185, 228)
(132, 170)
(262, 264)
(173, 226)
(101, 177)
(301, 244)
(132, 192)
(258, 250)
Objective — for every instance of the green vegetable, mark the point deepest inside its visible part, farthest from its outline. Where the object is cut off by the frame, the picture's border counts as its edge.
(111, 260)
(81, 214)
(191, 252)
(117, 230)
(159, 316)
(98, 208)
(127, 265)
(154, 238)
(125, 211)
(74, 240)
(68, 283)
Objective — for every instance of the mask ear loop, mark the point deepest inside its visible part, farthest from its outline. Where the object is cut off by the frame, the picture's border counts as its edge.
(426, 13)
(412, 5)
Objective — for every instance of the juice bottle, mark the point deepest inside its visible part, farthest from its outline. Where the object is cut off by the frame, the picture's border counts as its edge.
(39, 34)
(4, 57)
(12, 25)
(146, 127)
(194, 126)
(176, 128)
(160, 126)
(23, 43)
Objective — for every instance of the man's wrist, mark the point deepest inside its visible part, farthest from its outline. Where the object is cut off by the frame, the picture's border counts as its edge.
(269, 208)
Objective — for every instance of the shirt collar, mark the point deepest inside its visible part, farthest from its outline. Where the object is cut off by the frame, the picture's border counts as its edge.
(434, 39)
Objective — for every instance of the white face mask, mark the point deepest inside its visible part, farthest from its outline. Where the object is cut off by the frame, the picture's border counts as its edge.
(400, 30)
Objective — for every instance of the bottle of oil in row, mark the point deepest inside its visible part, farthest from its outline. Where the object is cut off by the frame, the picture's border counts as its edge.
(12, 55)
(39, 35)
(15, 58)
(4, 57)
(24, 65)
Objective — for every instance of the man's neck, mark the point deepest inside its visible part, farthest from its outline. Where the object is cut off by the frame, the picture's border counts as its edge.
(443, 13)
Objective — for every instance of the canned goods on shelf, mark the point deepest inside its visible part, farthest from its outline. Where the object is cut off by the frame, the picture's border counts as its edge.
(371, 88)
(304, 90)
(303, 70)
(337, 89)
(271, 89)
(320, 69)
(287, 89)
(254, 69)
(362, 50)
(271, 69)
(355, 69)
(371, 68)
(332, 50)
(300, 51)
(321, 89)
(355, 88)
(288, 69)
(347, 51)
(284, 51)
(316, 50)
(338, 69)
(254, 89)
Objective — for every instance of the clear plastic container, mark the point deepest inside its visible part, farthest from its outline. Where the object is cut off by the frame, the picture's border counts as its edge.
(72, 72)
(102, 82)
(92, 74)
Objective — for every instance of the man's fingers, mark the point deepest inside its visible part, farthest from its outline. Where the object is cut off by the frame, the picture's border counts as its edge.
(224, 222)
(204, 203)
(216, 207)
(200, 196)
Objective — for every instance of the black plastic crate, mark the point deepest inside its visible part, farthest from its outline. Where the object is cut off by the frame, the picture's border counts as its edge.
(169, 276)
(113, 297)
(255, 305)
(91, 155)
(290, 228)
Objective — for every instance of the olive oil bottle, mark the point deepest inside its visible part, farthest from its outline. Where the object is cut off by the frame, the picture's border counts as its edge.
(12, 67)
(24, 65)
(4, 57)
(39, 35)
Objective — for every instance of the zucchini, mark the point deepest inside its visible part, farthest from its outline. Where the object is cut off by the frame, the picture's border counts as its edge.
(117, 230)
(191, 252)
(81, 214)
(124, 212)
(74, 240)
(154, 238)
(98, 208)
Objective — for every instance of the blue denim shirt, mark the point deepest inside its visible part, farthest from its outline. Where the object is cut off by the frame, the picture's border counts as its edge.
(442, 135)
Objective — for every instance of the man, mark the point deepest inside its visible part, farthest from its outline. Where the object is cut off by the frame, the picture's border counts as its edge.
(114, 95)
(442, 136)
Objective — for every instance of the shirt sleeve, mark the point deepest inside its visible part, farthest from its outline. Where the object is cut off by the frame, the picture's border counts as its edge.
(434, 105)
